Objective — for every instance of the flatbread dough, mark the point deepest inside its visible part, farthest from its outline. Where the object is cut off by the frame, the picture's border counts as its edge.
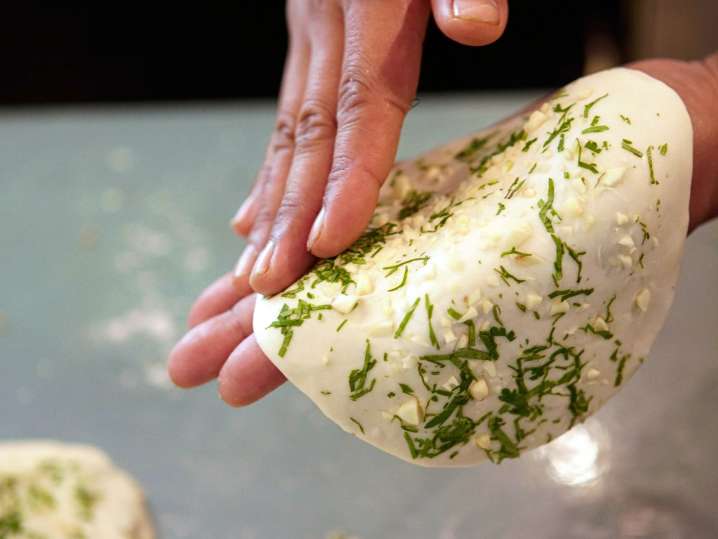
(50, 490)
(508, 285)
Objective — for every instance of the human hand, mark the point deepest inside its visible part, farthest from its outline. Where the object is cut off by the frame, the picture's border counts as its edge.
(349, 79)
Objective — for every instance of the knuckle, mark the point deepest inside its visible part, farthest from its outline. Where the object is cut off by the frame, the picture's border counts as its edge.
(316, 123)
(292, 204)
(283, 136)
(358, 90)
(355, 91)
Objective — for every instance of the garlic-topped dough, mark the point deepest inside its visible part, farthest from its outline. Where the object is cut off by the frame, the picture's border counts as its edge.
(58, 491)
(508, 285)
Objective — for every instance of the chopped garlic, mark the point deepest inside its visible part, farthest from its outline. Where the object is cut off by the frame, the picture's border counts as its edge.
(559, 307)
(627, 241)
(535, 121)
(449, 335)
(344, 303)
(411, 412)
(486, 306)
(626, 261)
(533, 300)
(613, 176)
(483, 441)
(600, 324)
(621, 218)
(643, 298)
(593, 374)
(479, 390)
(364, 284)
(450, 384)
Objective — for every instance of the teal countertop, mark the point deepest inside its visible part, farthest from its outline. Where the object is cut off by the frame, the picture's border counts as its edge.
(112, 220)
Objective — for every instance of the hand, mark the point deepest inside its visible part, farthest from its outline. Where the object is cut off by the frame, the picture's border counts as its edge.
(349, 79)
(248, 375)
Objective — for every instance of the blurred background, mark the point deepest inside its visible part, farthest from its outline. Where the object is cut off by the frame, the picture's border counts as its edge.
(231, 50)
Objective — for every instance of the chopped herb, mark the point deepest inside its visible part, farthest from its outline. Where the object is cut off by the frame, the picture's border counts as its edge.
(521, 307)
(528, 145)
(289, 318)
(340, 326)
(588, 328)
(413, 202)
(649, 153)
(429, 312)
(514, 188)
(325, 392)
(407, 390)
(582, 164)
(506, 276)
(609, 315)
(625, 119)
(564, 126)
(592, 146)
(533, 167)
(453, 313)
(471, 333)
(469, 151)
(395, 267)
(663, 149)
(508, 449)
(357, 377)
(402, 282)
(361, 428)
(595, 128)
(87, 501)
(628, 146)
(587, 108)
(501, 207)
(513, 251)
(10, 523)
(442, 216)
(567, 294)
(405, 320)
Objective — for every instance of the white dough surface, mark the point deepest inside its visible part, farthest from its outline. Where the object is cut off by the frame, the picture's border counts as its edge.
(509, 283)
(52, 490)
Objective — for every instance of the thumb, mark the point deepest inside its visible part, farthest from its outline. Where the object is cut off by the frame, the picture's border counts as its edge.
(471, 22)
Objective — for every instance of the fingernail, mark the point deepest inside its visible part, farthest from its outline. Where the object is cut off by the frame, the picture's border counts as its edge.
(485, 11)
(316, 230)
(245, 262)
(242, 212)
(263, 260)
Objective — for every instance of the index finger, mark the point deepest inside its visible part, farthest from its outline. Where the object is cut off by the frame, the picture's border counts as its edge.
(380, 72)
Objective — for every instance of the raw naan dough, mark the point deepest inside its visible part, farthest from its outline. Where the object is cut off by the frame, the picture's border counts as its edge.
(50, 490)
(508, 284)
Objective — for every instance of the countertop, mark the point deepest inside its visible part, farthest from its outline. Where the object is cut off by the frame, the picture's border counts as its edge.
(113, 219)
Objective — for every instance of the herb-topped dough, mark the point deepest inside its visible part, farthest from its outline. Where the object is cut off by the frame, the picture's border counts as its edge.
(508, 285)
(58, 491)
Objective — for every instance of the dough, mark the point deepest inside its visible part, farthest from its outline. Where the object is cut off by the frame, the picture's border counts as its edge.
(50, 490)
(508, 285)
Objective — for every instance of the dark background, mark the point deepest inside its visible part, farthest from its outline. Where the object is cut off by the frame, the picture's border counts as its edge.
(236, 50)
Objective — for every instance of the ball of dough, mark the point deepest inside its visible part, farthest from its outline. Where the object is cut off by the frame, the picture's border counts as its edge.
(508, 285)
(50, 490)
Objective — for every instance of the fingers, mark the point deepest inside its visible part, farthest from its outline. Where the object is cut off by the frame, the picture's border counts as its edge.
(471, 22)
(217, 298)
(248, 375)
(285, 257)
(199, 356)
(380, 71)
(255, 217)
